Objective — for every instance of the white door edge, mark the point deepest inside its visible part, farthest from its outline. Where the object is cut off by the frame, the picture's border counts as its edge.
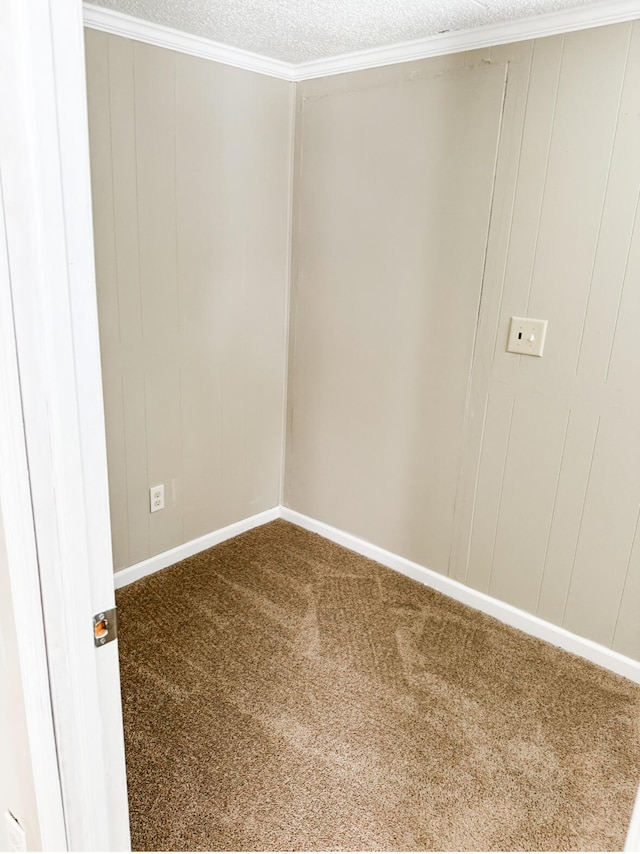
(44, 156)
(17, 518)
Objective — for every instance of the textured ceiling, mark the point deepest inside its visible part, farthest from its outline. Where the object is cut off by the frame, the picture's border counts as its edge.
(302, 30)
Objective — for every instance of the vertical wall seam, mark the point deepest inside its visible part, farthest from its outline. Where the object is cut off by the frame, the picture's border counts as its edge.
(584, 504)
(460, 480)
(221, 417)
(546, 176)
(626, 577)
(135, 155)
(553, 512)
(475, 490)
(513, 203)
(126, 466)
(296, 167)
(108, 41)
(623, 285)
(175, 190)
(504, 474)
(247, 410)
(144, 376)
(293, 97)
(107, 38)
(605, 196)
(180, 496)
(146, 455)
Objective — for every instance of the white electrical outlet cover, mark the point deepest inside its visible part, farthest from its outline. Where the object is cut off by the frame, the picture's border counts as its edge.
(156, 498)
(526, 336)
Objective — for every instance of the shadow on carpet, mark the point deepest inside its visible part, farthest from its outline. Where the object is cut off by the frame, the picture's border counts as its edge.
(283, 693)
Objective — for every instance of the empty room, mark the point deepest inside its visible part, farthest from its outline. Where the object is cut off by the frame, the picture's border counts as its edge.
(367, 283)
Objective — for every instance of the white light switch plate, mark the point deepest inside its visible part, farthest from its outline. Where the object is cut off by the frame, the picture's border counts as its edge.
(527, 336)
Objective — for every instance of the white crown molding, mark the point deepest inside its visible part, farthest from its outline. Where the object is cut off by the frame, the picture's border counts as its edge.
(109, 21)
(579, 18)
(551, 24)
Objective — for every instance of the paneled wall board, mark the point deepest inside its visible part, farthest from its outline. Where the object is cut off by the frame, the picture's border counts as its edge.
(563, 522)
(546, 488)
(190, 174)
(432, 201)
(394, 196)
(478, 417)
(626, 626)
(566, 521)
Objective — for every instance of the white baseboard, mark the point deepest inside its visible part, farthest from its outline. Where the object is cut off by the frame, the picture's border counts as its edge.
(529, 623)
(508, 614)
(161, 561)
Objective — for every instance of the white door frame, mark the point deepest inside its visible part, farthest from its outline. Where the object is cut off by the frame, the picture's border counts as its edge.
(44, 168)
(17, 519)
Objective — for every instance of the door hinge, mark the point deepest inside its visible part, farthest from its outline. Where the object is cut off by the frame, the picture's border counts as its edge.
(105, 627)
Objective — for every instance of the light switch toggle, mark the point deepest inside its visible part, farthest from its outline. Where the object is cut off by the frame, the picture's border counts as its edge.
(526, 336)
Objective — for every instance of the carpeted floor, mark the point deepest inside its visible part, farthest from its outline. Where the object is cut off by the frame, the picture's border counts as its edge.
(282, 693)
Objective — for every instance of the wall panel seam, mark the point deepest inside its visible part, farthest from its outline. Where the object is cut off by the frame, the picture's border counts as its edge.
(179, 498)
(113, 187)
(475, 489)
(544, 183)
(623, 285)
(126, 466)
(513, 203)
(626, 576)
(584, 504)
(604, 202)
(146, 451)
(553, 513)
(297, 160)
(504, 474)
(135, 154)
(293, 101)
(460, 481)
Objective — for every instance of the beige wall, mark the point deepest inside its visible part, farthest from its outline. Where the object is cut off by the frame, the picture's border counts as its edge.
(433, 200)
(549, 513)
(393, 198)
(534, 495)
(16, 779)
(191, 190)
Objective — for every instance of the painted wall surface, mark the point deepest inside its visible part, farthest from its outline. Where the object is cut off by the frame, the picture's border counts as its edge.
(549, 513)
(191, 193)
(432, 201)
(393, 198)
(409, 425)
(16, 779)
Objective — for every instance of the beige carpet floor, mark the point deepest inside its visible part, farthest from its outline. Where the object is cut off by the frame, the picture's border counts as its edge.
(283, 693)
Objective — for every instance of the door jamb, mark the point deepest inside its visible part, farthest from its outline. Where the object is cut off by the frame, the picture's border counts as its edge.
(24, 581)
(44, 167)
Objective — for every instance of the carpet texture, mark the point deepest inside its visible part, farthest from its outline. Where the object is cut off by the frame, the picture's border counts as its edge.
(283, 693)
